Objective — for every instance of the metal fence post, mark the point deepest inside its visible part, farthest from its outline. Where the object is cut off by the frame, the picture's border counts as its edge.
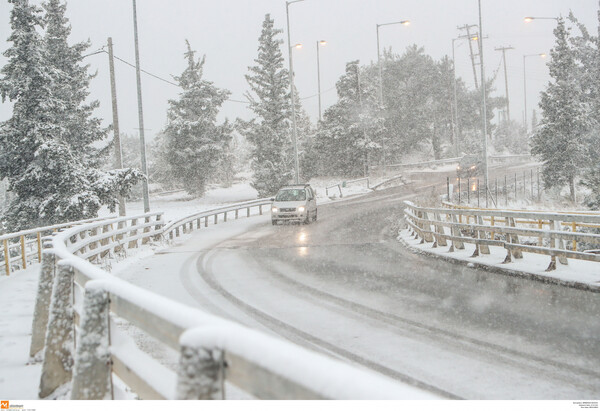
(468, 191)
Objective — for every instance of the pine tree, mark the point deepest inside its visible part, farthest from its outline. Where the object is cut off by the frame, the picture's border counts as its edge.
(559, 139)
(196, 145)
(587, 52)
(49, 183)
(269, 131)
(71, 83)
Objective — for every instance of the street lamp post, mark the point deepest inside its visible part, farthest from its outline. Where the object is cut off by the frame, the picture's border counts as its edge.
(292, 96)
(542, 55)
(404, 23)
(529, 19)
(319, 43)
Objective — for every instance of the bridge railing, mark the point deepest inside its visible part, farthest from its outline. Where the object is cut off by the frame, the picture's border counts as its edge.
(213, 216)
(82, 343)
(550, 233)
(23, 248)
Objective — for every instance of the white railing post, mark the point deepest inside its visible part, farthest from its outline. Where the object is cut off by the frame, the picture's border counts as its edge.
(42, 302)
(200, 373)
(459, 245)
(58, 356)
(514, 239)
(92, 370)
(483, 248)
(441, 241)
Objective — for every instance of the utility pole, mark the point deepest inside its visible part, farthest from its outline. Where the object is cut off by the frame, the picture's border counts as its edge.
(467, 27)
(455, 129)
(483, 108)
(503, 49)
(115, 114)
(140, 114)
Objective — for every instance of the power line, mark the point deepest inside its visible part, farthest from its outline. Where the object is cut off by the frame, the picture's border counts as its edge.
(151, 74)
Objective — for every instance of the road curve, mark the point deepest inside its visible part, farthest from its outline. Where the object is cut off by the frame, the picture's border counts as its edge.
(346, 287)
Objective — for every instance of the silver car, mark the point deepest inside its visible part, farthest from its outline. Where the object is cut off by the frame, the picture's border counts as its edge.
(294, 203)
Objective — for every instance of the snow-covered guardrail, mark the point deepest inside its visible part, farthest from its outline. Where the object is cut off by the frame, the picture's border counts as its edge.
(445, 161)
(82, 344)
(23, 248)
(186, 224)
(345, 184)
(540, 232)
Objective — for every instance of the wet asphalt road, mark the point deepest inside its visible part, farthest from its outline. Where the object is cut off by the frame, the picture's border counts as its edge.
(346, 287)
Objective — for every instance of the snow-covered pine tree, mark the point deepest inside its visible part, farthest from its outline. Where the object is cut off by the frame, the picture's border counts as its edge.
(49, 183)
(559, 140)
(270, 130)
(196, 145)
(79, 126)
(587, 51)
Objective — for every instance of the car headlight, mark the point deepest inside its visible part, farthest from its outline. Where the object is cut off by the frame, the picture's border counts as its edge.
(274, 210)
(473, 167)
(301, 209)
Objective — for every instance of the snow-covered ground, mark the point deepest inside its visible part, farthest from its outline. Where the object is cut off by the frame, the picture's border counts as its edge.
(577, 271)
(19, 376)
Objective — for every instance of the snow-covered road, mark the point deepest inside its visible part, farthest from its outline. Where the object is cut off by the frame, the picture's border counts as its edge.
(344, 286)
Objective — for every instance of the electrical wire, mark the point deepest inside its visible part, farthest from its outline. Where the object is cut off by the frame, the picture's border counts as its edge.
(102, 50)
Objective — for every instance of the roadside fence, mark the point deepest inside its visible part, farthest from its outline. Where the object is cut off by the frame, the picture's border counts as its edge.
(343, 184)
(525, 186)
(195, 221)
(23, 248)
(557, 235)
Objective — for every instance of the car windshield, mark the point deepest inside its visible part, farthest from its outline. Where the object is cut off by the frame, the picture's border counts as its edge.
(291, 195)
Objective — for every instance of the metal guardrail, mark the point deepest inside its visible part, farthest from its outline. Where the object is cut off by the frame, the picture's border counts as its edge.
(23, 248)
(492, 158)
(186, 224)
(345, 184)
(503, 228)
(74, 329)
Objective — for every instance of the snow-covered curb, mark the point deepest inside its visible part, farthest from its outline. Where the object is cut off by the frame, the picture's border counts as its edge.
(583, 275)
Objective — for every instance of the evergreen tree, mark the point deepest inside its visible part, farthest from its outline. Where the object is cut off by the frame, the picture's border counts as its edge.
(79, 127)
(350, 134)
(269, 132)
(49, 183)
(587, 53)
(559, 141)
(418, 96)
(196, 145)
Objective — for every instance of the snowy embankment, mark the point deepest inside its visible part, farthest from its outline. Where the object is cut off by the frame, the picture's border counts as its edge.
(586, 273)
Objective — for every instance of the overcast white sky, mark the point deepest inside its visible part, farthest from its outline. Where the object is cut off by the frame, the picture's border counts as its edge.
(227, 32)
